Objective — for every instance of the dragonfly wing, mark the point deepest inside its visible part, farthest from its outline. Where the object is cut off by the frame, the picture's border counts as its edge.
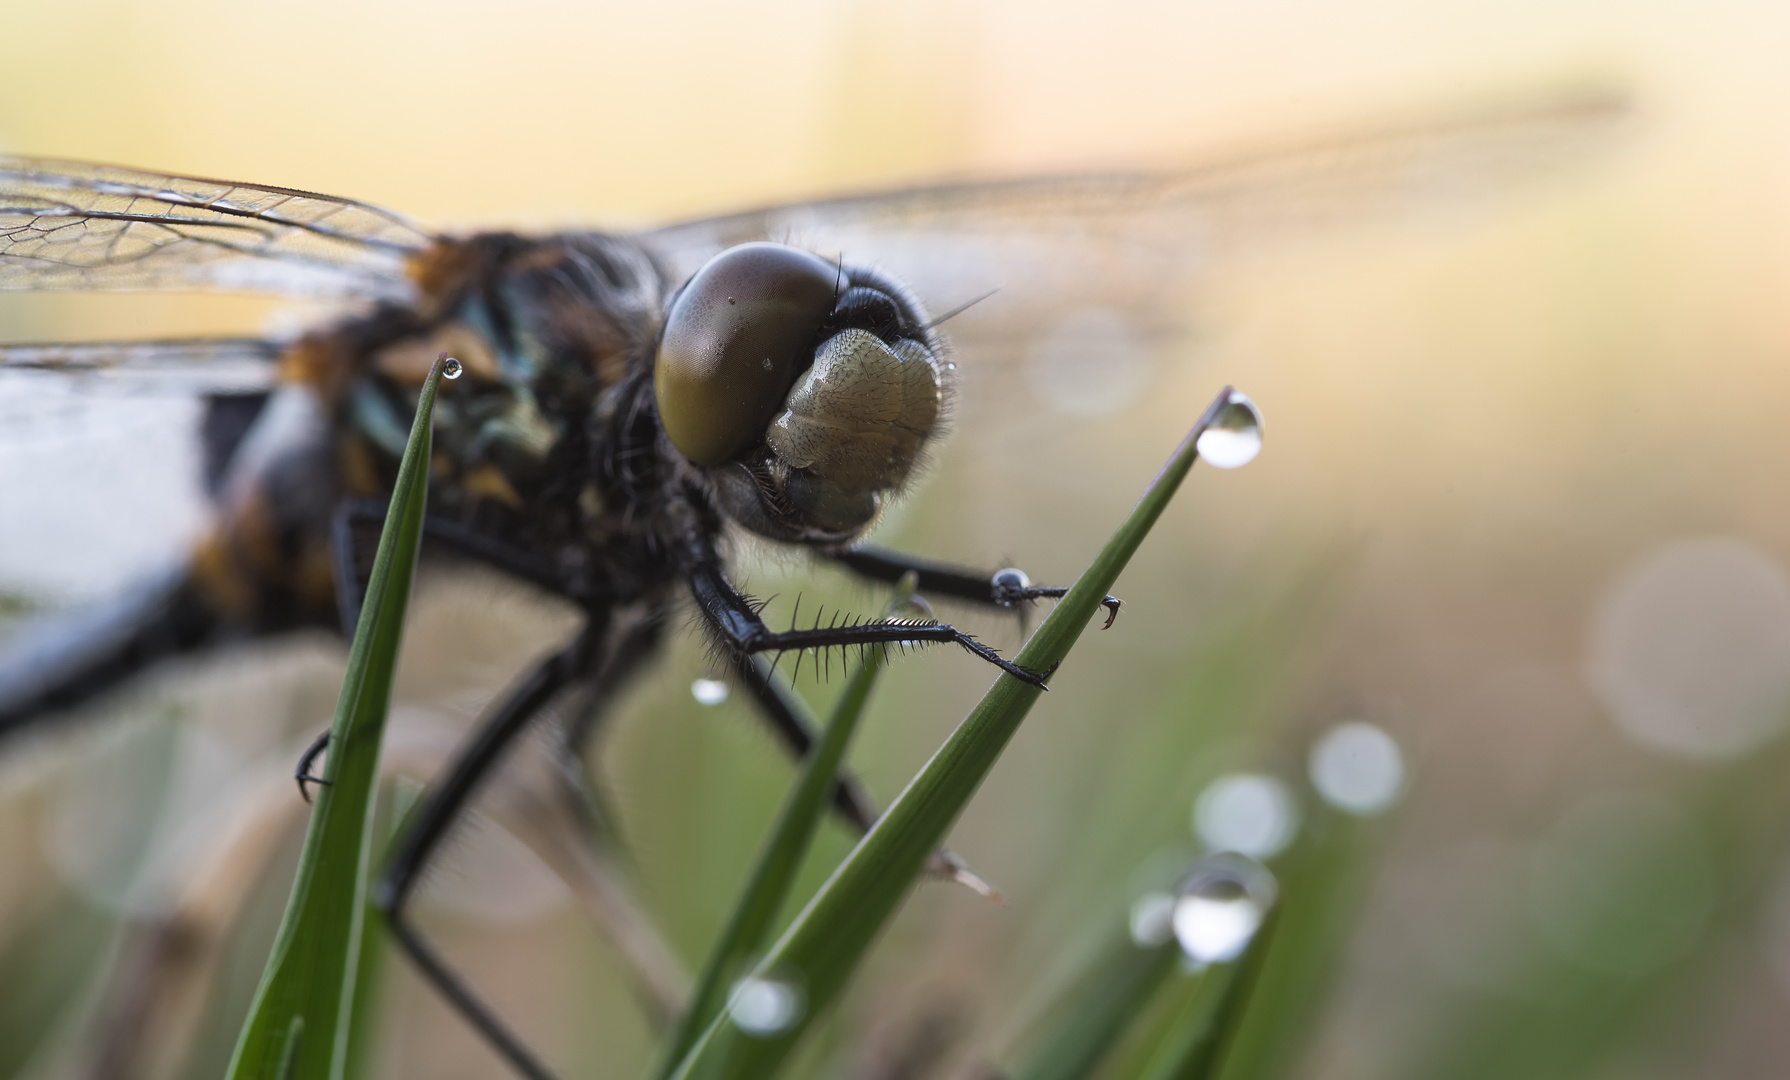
(208, 365)
(69, 225)
(110, 451)
(1102, 264)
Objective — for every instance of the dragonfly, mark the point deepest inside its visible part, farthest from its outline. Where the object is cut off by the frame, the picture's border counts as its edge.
(633, 401)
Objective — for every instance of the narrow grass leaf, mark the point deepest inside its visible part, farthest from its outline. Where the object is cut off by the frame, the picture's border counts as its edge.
(1186, 998)
(1197, 1048)
(1100, 1009)
(817, 954)
(1322, 878)
(768, 885)
(297, 1028)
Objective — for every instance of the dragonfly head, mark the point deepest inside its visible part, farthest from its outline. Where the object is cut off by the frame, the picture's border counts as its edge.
(804, 389)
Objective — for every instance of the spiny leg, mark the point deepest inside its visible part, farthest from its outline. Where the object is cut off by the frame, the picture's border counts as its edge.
(442, 806)
(344, 558)
(345, 551)
(633, 646)
(849, 799)
(736, 621)
(1003, 588)
(786, 721)
(303, 773)
(584, 847)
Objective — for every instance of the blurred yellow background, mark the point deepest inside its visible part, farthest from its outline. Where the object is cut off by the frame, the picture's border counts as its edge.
(1521, 503)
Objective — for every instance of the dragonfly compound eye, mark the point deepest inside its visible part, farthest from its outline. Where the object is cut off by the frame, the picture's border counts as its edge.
(735, 339)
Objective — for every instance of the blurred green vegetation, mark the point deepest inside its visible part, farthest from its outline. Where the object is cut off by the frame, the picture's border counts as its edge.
(1562, 1009)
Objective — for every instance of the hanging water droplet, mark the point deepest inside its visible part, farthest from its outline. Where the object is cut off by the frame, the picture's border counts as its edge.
(1215, 929)
(1235, 437)
(1011, 578)
(1357, 768)
(1222, 903)
(451, 368)
(764, 1007)
(709, 691)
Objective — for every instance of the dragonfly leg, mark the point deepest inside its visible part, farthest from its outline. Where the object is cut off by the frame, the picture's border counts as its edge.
(735, 621)
(793, 731)
(583, 846)
(344, 557)
(1004, 589)
(345, 565)
(303, 773)
(346, 553)
(442, 806)
(849, 798)
(634, 645)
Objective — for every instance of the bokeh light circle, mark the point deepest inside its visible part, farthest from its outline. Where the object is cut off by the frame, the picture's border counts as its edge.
(1247, 813)
(1357, 768)
(1690, 650)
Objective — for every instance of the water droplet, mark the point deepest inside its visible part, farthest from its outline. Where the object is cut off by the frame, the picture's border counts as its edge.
(1357, 768)
(1010, 578)
(1222, 903)
(1249, 814)
(764, 1007)
(709, 691)
(1153, 919)
(1214, 930)
(1235, 437)
(451, 368)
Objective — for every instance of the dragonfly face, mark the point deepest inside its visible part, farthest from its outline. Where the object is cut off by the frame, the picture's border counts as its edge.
(806, 390)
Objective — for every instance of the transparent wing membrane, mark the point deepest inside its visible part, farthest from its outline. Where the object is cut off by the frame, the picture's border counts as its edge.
(1331, 179)
(68, 225)
(197, 364)
(1090, 283)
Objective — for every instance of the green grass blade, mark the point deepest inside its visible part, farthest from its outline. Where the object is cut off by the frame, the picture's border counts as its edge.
(1186, 999)
(1197, 1048)
(825, 943)
(376, 945)
(1323, 879)
(308, 986)
(768, 885)
(1100, 1009)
